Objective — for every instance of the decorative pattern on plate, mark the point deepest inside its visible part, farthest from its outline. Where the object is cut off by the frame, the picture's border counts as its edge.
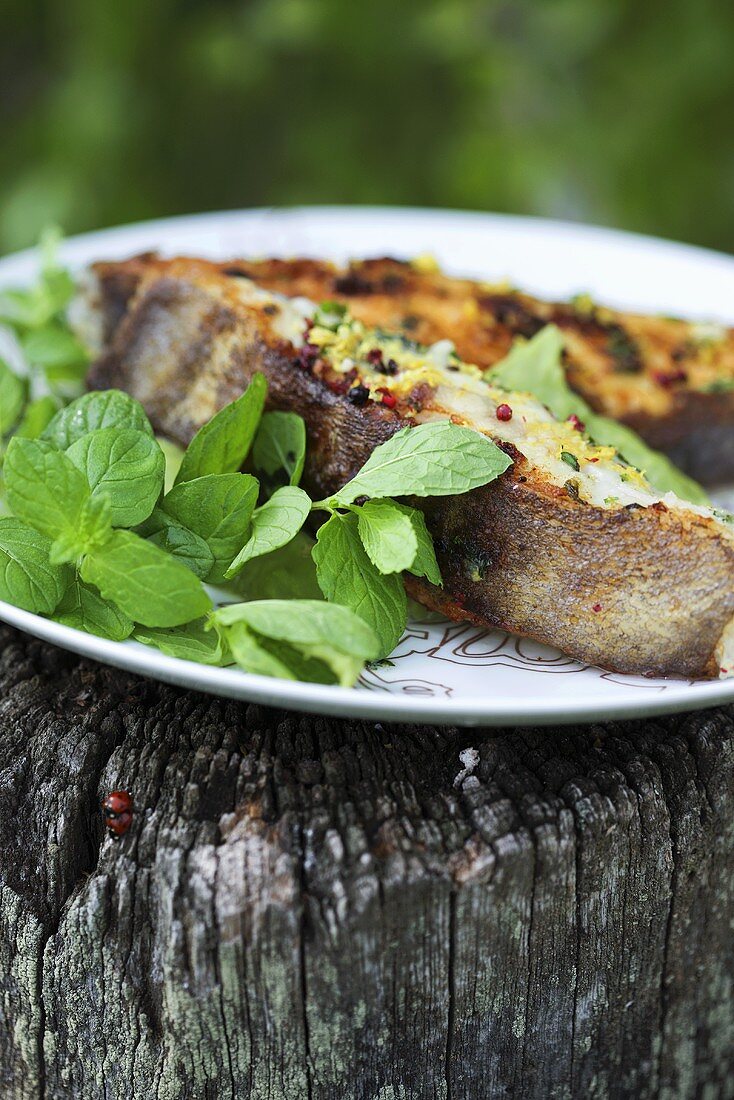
(470, 646)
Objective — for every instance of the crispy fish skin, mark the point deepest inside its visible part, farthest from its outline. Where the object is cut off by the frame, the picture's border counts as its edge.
(635, 590)
(670, 380)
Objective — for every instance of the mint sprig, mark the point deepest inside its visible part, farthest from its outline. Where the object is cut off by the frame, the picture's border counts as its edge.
(55, 359)
(362, 549)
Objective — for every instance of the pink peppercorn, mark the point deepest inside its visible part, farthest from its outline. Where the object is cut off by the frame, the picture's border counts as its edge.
(504, 412)
(668, 378)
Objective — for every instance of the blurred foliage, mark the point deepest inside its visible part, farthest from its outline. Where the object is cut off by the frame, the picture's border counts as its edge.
(614, 111)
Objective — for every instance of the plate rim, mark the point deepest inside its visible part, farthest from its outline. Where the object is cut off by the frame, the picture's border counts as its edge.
(326, 699)
(235, 683)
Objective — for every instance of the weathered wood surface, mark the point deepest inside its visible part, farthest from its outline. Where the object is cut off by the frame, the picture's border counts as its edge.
(314, 908)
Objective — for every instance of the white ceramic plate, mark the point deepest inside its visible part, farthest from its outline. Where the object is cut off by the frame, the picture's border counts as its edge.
(447, 672)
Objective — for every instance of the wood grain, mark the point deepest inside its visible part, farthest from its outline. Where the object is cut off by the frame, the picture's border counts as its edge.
(306, 907)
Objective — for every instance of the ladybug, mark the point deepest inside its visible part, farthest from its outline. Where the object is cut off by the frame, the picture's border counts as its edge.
(117, 808)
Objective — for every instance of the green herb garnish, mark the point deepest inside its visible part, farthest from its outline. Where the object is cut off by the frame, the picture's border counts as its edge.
(330, 315)
(279, 450)
(535, 367)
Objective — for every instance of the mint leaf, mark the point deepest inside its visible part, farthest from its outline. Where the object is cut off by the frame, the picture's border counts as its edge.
(264, 657)
(273, 525)
(179, 542)
(91, 531)
(146, 584)
(12, 397)
(54, 349)
(434, 459)
(535, 367)
(318, 631)
(24, 309)
(102, 409)
(222, 445)
(27, 578)
(347, 576)
(84, 609)
(288, 573)
(37, 416)
(218, 508)
(387, 535)
(279, 449)
(424, 564)
(44, 487)
(127, 465)
(191, 642)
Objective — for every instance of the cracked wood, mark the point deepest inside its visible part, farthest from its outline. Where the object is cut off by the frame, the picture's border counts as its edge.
(307, 907)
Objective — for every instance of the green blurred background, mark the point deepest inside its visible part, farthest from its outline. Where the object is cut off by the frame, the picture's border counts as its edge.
(612, 111)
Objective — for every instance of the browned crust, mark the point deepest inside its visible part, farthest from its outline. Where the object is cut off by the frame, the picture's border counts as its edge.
(638, 591)
(647, 372)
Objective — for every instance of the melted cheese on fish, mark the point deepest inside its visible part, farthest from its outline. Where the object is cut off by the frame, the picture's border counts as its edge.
(458, 390)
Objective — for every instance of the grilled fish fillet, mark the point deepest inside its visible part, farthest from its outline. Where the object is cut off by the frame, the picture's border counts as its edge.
(591, 560)
(672, 381)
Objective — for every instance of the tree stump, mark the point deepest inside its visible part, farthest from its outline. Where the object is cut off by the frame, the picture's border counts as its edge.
(307, 907)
